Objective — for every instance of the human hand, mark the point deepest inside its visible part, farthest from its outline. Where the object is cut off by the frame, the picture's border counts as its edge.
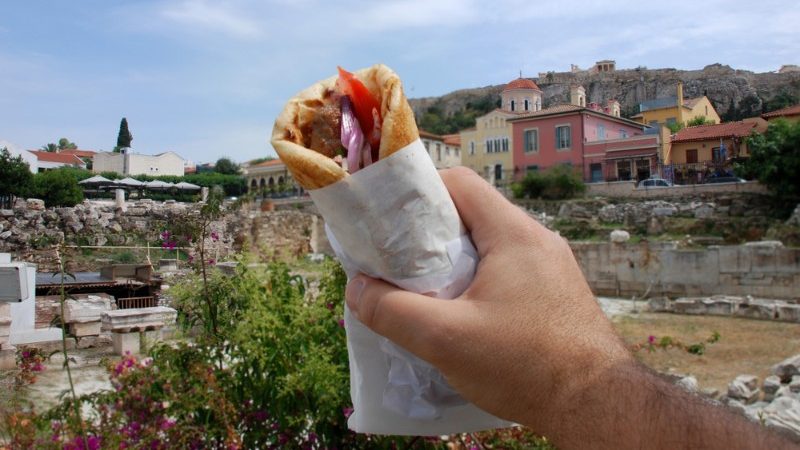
(526, 334)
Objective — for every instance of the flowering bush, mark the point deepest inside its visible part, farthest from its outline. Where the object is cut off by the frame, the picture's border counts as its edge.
(667, 342)
(29, 362)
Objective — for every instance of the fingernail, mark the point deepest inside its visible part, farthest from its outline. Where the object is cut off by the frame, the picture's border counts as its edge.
(353, 294)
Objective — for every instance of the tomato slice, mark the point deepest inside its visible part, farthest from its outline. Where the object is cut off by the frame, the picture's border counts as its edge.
(364, 103)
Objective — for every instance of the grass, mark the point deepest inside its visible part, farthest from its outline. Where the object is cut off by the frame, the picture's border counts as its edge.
(745, 347)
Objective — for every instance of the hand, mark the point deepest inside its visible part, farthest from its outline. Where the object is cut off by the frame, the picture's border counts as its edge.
(528, 326)
(528, 342)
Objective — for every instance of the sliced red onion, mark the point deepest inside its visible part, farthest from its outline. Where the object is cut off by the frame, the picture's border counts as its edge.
(352, 137)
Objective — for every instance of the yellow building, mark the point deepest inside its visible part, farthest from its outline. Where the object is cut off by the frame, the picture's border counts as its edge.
(666, 111)
(487, 148)
(703, 144)
(791, 113)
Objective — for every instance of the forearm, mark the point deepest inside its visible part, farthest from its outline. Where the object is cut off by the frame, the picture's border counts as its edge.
(630, 407)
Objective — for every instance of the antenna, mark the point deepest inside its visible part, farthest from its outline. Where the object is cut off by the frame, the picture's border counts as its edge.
(520, 73)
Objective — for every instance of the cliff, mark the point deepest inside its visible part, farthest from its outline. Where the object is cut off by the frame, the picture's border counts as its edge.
(734, 93)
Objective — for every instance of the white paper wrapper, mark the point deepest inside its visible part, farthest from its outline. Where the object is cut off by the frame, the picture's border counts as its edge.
(395, 220)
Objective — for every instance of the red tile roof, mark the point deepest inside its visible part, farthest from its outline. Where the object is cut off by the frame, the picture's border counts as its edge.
(521, 83)
(427, 135)
(271, 162)
(452, 139)
(79, 153)
(58, 158)
(555, 109)
(783, 112)
(717, 131)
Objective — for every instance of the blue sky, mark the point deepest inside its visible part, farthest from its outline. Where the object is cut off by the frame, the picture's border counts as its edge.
(206, 79)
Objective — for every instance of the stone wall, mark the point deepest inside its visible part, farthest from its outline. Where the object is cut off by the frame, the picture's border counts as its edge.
(766, 270)
(628, 189)
(30, 231)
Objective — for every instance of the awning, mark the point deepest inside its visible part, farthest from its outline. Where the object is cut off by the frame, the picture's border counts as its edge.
(640, 156)
(96, 180)
(187, 186)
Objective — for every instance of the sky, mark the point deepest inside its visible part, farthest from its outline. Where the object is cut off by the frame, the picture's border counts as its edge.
(206, 79)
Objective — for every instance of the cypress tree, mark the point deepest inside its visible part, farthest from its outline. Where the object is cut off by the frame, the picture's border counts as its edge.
(124, 137)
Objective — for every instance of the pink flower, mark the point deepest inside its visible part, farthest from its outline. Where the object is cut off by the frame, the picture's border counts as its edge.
(341, 323)
(348, 411)
(651, 339)
(212, 261)
(165, 235)
(214, 236)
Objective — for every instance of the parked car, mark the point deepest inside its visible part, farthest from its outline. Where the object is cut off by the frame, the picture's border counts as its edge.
(654, 182)
(724, 179)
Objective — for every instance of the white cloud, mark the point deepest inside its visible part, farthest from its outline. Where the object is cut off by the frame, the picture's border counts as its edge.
(205, 16)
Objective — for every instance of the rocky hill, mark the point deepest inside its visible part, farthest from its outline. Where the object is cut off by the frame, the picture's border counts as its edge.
(735, 93)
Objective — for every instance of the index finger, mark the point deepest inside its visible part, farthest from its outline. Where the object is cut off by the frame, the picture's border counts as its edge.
(489, 216)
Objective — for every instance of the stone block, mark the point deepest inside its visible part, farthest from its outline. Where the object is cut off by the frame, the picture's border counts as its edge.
(81, 329)
(619, 236)
(770, 387)
(138, 319)
(659, 304)
(125, 343)
(755, 310)
(689, 306)
(5, 327)
(744, 388)
(5, 309)
(718, 306)
(149, 338)
(35, 204)
(783, 412)
(787, 368)
(788, 312)
(8, 358)
(87, 309)
(794, 385)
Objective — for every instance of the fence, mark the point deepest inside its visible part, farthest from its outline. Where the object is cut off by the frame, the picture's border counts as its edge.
(136, 302)
(6, 201)
(679, 174)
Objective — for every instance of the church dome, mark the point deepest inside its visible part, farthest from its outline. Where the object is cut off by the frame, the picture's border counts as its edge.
(521, 83)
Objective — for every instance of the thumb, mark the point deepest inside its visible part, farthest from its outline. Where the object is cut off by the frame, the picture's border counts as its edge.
(413, 321)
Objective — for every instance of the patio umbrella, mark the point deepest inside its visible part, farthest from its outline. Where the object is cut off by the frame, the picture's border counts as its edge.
(97, 181)
(129, 183)
(158, 185)
(187, 186)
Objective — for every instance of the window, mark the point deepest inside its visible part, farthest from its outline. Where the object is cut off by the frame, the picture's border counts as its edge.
(691, 156)
(526, 104)
(530, 139)
(489, 146)
(563, 137)
(438, 152)
(512, 105)
(498, 172)
(505, 144)
(624, 170)
(623, 133)
(471, 147)
(653, 123)
(458, 151)
(671, 121)
(601, 131)
(531, 169)
(596, 171)
(447, 151)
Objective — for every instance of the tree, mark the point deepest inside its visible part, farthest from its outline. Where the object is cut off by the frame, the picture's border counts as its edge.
(52, 148)
(226, 167)
(699, 120)
(58, 187)
(16, 178)
(65, 144)
(775, 160)
(124, 137)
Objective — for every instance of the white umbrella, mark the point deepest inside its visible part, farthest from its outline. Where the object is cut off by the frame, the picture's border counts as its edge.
(158, 185)
(187, 186)
(96, 180)
(129, 182)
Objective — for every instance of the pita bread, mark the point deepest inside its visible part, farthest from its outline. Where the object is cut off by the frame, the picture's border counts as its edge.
(313, 170)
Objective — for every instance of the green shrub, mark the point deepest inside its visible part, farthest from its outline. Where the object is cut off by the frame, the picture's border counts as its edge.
(558, 183)
(59, 187)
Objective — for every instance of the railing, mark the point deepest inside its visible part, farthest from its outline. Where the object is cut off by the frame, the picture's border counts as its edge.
(136, 302)
(6, 201)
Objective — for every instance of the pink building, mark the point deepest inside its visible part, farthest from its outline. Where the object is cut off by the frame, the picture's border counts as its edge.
(565, 134)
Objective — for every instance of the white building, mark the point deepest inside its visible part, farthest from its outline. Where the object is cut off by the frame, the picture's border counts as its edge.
(128, 163)
(28, 157)
(52, 160)
(441, 149)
